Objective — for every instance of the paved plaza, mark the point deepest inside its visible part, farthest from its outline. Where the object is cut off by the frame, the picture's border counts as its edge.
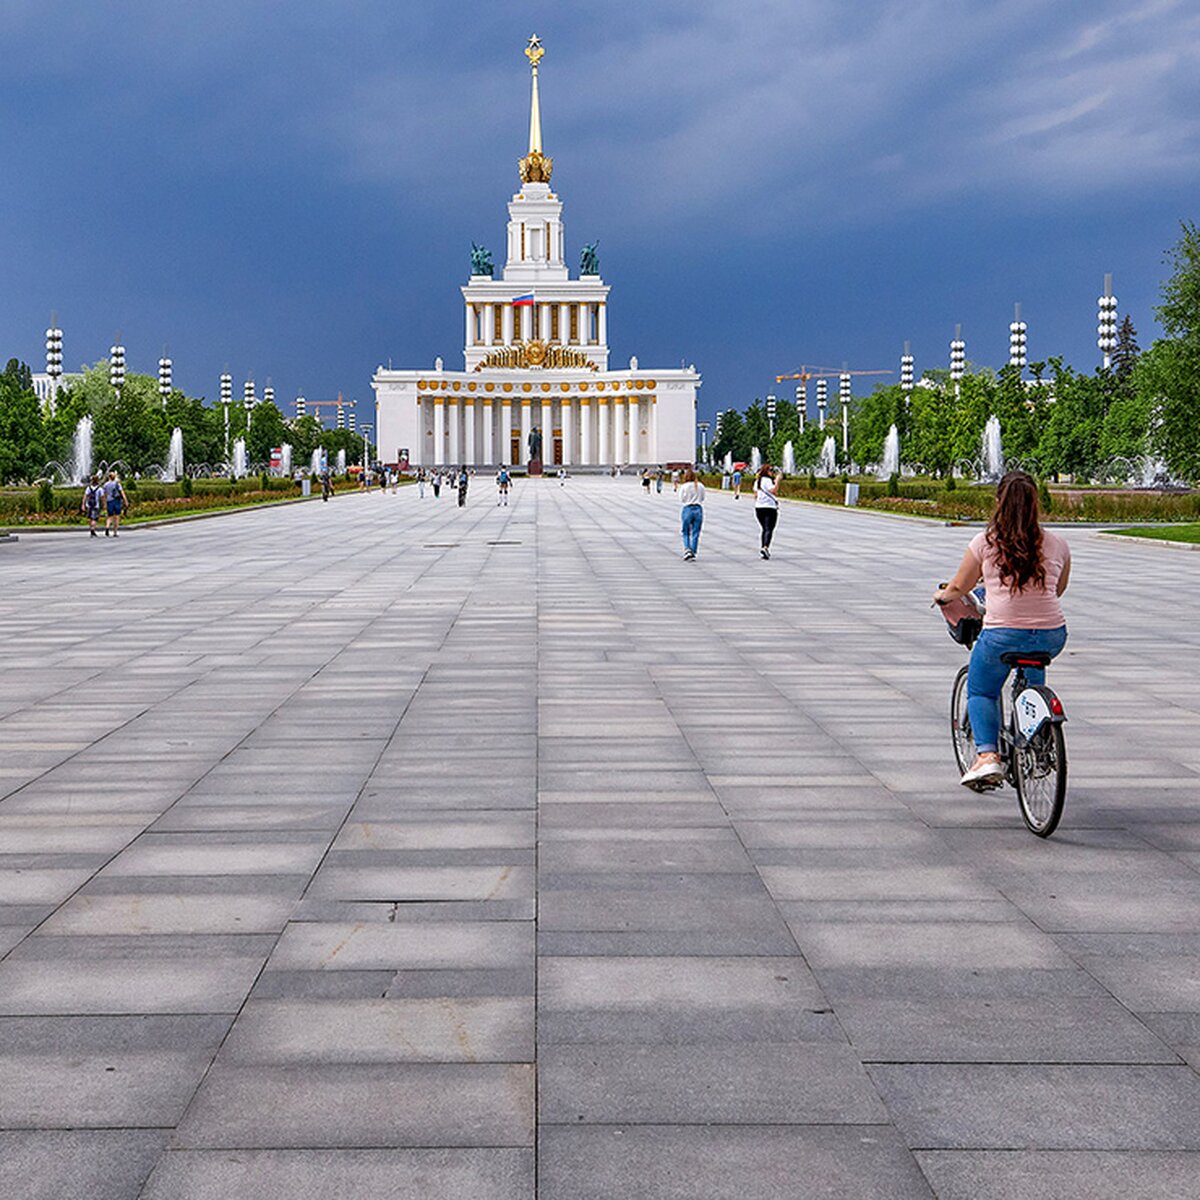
(385, 849)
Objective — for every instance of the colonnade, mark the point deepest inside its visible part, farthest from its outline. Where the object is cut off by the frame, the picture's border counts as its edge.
(575, 324)
(576, 430)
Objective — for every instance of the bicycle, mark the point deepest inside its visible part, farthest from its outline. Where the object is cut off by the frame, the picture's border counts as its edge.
(1032, 745)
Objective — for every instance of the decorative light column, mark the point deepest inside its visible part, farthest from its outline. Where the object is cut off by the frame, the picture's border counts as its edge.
(822, 400)
(844, 399)
(1016, 340)
(366, 437)
(301, 407)
(906, 369)
(958, 361)
(116, 366)
(249, 400)
(341, 413)
(703, 427)
(226, 401)
(801, 404)
(54, 358)
(352, 420)
(1106, 322)
(771, 408)
(268, 393)
(165, 370)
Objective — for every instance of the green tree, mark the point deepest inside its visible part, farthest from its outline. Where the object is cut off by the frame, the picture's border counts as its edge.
(267, 431)
(758, 428)
(870, 419)
(22, 446)
(931, 428)
(132, 428)
(732, 439)
(1167, 376)
(1125, 355)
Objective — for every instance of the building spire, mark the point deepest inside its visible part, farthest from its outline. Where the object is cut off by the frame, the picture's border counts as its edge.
(535, 166)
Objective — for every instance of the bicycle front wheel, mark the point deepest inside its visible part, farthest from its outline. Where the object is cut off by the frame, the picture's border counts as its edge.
(960, 724)
(1040, 769)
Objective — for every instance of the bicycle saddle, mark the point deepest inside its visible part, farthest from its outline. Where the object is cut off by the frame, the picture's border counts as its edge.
(1026, 658)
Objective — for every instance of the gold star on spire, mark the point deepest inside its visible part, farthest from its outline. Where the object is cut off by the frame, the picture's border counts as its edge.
(535, 166)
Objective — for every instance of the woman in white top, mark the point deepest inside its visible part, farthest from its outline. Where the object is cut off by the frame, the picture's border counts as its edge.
(766, 505)
(691, 499)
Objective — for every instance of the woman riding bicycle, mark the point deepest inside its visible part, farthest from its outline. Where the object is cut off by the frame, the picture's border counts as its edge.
(1025, 569)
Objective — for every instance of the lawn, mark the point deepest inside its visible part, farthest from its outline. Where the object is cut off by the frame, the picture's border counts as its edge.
(1169, 533)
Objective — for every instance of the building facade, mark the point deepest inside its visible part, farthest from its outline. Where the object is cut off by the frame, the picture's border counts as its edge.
(536, 385)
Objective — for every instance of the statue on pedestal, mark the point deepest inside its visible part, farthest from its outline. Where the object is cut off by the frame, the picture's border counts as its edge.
(481, 261)
(535, 445)
(589, 260)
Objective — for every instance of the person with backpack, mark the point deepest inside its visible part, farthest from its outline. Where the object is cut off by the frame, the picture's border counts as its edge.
(115, 503)
(90, 506)
(502, 482)
(766, 505)
(326, 485)
(464, 480)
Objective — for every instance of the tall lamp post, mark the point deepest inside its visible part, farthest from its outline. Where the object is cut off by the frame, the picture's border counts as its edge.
(301, 407)
(116, 366)
(906, 369)
(822, 400)
(226, 401)
(1106, 322)
(366, 437)
(771, 408)
(844, 398)
(54, 358)
(268, 393)
(801, 404)
(165, 370)
(249, 400)
(958, 361)
(703, 427)
(1017, 340)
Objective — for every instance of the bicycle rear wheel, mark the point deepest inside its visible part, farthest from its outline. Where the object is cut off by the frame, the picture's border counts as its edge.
(960, 724)
(1040, 770)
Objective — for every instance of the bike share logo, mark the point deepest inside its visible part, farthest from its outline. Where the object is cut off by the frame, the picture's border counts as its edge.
(1032, 712)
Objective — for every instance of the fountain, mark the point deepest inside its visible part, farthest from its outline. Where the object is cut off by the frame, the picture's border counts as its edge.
(891, 455)
(727, 465)
(755, 460)
(828, 466)
(341, 462)
(1153, 473)
(789, 458)
(317, 463)
(285, 460)
(174, 468)
(991, 452)
(81, 460)
(238, 467)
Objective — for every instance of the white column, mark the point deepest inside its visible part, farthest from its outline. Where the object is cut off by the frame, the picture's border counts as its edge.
(527, 323)
(652, 421)
(564, 324)
(489, 324)
(618, 423)
(547, 423)
(454, 422)
(470, 333)
(603, 324)
(507, 324)
(586, 408)
(631, 428)
(544, 322)
(603, 454)
(568, 426)
(468, 413)
(505, 431)
(526, 424)
(439, 433)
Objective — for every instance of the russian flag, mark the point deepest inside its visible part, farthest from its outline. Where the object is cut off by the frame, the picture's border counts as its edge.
(525, 301)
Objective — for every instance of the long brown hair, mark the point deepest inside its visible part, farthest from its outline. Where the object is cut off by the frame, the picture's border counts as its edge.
(1015, 532)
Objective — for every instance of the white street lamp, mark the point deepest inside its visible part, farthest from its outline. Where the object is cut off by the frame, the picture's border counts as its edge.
(771, 403)
(54, 344)
(958, 360)
(165, 374)
(822, 400)
(116, 366)
(1017, 340)
(906, 368)
(1106, 322)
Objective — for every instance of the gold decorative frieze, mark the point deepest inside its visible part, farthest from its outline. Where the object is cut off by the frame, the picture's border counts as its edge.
(535, 354)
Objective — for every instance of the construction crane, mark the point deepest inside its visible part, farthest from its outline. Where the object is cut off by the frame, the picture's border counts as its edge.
(807, 373)
(340, 404)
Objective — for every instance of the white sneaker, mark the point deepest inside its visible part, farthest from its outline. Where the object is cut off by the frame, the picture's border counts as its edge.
(984, 777)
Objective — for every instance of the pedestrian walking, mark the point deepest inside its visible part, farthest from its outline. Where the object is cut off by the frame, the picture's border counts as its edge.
(691, 502)
(90, 505)
(421, 484)
(115, 503)
(326, 485)
(502, 482)
(658, 478)
(562, 476)
(674, 481)
(464, 480)
(766, 505)
(737, 484)
(645, 481)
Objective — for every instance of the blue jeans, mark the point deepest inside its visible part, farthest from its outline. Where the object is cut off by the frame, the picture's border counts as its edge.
(986, 675)
(693, 518)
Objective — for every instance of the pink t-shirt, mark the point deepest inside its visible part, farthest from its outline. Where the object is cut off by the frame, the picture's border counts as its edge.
(1033, 608)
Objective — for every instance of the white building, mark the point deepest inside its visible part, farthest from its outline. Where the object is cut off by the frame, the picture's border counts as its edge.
(536, 358)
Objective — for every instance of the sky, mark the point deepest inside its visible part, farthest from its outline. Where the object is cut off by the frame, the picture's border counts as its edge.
(290, 188)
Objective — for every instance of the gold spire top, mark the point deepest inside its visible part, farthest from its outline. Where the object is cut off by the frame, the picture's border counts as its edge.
(535, 166)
